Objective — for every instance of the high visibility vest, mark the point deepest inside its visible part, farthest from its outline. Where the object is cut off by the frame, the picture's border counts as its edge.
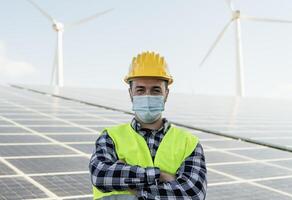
(130, 146)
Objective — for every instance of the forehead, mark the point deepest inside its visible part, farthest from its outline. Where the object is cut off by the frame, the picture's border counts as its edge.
(147, 82)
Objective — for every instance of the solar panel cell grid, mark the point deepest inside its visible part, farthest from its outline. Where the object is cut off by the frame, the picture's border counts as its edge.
(66, 185)
(19, 188)
(5, 170)
(33, 150)
(22, 139)
(45, 161)
(51, 165)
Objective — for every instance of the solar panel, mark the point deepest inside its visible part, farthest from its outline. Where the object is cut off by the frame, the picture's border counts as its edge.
(266, 121)
(15, 149)
(51, 164)
(47, 160)
(67, 185)
(19, 188)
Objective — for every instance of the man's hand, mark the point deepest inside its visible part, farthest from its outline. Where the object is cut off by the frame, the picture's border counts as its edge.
(122, 161)
(134, 192)
(166, 177)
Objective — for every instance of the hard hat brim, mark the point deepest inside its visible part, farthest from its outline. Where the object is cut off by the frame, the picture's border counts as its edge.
(168, 79)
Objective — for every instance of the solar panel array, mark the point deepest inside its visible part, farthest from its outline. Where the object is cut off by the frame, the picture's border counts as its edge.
(261, 120)
(46, 143)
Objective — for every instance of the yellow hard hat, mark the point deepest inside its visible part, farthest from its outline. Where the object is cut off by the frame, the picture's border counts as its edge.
(149, 64)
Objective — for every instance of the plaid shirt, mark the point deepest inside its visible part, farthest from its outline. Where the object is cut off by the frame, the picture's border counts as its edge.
(108, 174)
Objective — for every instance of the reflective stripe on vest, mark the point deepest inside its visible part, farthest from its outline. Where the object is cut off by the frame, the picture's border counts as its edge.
(130, 146)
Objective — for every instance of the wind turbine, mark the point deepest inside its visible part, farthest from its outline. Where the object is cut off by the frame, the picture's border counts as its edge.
(57, 73)
(236, 18)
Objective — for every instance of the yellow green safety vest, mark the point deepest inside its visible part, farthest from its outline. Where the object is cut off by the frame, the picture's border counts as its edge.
(130, 146)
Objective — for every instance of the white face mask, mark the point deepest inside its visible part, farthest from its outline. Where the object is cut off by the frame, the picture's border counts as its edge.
(148, 108)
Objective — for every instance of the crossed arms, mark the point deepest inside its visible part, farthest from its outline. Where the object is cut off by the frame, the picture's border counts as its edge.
(108, 173)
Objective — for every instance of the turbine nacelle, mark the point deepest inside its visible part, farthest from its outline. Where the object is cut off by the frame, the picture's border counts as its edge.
(236, 14)
(58, 26)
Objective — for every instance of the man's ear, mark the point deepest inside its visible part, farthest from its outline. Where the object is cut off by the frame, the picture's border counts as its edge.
(130, 93)
(166, 94)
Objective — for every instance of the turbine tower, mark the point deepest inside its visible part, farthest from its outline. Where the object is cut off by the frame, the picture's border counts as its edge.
(57, 72)
(236, 18)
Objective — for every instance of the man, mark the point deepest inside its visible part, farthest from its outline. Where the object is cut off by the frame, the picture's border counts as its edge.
(148, 158)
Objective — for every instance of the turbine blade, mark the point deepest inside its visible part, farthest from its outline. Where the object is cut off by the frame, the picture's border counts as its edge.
(87, 19)
(219, 37)
(230, 4)
(43, 12)
(266, 19)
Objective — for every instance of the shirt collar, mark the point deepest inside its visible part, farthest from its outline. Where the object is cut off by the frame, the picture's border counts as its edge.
(138, 127)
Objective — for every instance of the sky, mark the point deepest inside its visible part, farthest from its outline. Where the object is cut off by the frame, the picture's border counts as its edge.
(98, 54)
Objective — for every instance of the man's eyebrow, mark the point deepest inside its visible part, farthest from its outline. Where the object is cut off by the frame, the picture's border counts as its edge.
(139, 87)
(156, 87)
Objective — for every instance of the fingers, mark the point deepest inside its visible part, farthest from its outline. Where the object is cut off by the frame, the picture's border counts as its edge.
(134, 192)
(166, 177)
